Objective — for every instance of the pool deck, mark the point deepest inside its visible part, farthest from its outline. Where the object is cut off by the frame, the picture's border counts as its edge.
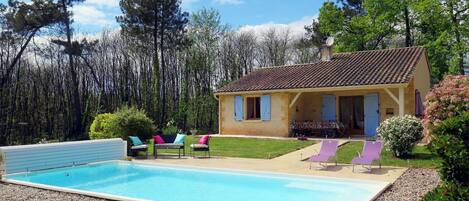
(292, 163)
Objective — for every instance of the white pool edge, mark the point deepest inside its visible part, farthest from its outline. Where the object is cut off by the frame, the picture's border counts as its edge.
(380, 192)
(385, 184)
(71, 190)
(256, 171)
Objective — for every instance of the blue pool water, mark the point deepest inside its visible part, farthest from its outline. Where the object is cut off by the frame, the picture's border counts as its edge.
(165, 183)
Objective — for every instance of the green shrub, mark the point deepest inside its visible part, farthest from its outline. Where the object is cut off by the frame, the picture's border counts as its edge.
(104, 126)
(124, 122)
(133, 121)
(447, 99)
(451, 143)
(401, 134)
(448, 192)
(170, 128)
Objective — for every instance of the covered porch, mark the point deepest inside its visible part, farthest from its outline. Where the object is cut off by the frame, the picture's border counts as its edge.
(346, 112)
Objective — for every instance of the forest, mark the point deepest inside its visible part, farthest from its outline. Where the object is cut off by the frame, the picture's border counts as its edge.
(168, 62)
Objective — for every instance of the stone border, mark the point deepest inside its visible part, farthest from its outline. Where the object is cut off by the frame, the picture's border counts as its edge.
(411, 186)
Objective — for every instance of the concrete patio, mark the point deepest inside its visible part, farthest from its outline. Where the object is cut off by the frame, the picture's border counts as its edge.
(292, 163)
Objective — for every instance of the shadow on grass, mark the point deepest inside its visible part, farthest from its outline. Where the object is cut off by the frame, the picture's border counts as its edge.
(422, 156)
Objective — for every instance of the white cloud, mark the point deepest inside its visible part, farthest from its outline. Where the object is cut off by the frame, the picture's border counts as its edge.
(108, 3)
(229, 2)
(188, 3)
(89, 15)
(296, 28)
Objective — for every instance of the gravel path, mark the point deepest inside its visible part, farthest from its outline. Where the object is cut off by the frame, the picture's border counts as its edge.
(411, 186)
(11, 192)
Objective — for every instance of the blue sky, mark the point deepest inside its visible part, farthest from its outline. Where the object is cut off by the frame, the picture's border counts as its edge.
(94, 15)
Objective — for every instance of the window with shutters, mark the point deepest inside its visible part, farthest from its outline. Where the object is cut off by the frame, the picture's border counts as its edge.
(253, 108)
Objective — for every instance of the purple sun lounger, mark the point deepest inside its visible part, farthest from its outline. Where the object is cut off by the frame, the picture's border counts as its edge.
(371, 152)
(326, 153)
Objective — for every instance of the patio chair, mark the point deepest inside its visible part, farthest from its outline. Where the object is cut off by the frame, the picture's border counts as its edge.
(203, 145)
(136, 145)
(371, 152)
(170, 142)
(326, 153)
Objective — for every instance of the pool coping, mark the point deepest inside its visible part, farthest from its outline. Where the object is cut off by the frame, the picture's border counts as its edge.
(373, 197)
(385, 184)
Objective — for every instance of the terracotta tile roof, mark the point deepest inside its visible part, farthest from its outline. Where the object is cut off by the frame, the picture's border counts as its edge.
(390, 66)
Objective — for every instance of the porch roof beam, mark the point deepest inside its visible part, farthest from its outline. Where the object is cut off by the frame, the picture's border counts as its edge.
(392, 95)
(295, 99)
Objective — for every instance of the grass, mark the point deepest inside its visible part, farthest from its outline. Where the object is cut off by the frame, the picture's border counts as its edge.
(244, 147)
(421, 156)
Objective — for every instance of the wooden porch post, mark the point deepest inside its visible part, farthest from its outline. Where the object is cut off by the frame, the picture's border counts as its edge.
(401, 101)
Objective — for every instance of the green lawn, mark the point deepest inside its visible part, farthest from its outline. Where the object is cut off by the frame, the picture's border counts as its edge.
(421, 158)
(244, 147)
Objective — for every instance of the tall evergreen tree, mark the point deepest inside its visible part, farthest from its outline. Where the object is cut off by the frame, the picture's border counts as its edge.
(24, 21)
(65, 5)
(20, 23)
(162, 24)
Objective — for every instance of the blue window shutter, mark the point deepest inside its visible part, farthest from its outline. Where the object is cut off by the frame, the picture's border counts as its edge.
(371, 111)
(328, 108)
(265, 108)
(238, 108)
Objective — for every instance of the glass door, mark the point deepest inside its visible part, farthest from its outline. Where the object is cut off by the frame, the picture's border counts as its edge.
(351, 114)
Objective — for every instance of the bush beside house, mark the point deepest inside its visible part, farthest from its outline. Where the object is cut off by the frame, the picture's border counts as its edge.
(451, 143)
(124, 122)
(447, 118)
(447, 192)
(447, 99)
(401, 134)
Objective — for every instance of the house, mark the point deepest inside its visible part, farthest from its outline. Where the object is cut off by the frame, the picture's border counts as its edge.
(358, 89)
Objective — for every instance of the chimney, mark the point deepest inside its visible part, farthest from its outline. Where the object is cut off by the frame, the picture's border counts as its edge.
(326, 51)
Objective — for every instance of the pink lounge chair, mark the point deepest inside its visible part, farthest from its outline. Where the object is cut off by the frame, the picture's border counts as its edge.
(326, 153)
(371, 152)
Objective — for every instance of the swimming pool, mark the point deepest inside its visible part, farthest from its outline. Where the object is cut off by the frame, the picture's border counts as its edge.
(125, 180)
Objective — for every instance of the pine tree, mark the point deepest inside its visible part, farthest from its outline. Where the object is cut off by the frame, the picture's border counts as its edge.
(162, 24)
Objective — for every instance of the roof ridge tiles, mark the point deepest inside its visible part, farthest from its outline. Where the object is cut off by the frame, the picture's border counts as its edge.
(389, 66)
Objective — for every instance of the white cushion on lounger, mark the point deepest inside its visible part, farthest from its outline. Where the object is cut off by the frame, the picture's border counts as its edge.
(143, 146)
(199, 146)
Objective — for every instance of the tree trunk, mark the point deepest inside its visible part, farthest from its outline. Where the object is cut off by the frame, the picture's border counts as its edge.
(76, 128)
(457, 33)
(17, 59)
(163, 67)
(408, 37)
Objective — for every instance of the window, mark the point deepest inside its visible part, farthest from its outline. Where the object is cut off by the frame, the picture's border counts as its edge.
(253, 108)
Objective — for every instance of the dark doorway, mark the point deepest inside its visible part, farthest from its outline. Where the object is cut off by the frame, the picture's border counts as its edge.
(351, 114)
